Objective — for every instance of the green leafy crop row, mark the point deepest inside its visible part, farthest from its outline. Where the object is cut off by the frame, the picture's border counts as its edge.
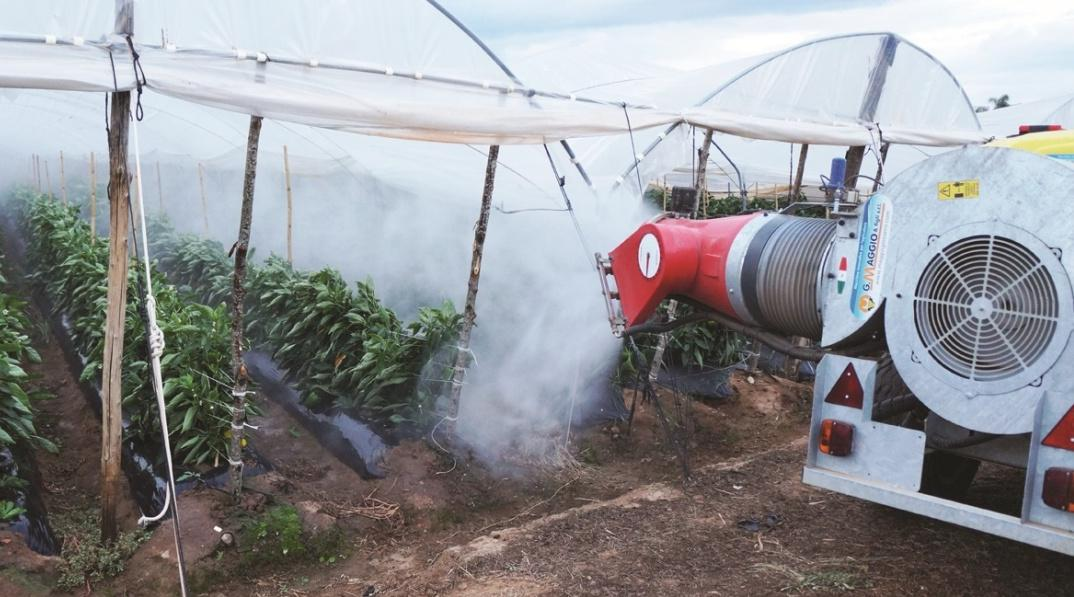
(16, 399)
(71, 265)
(342, 346)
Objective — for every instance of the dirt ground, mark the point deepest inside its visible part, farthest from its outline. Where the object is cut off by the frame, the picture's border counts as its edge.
(615, 518)
(621, 521)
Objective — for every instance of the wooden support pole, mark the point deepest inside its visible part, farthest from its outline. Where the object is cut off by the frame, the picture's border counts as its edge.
(204, 202)
(854, 157)
(880, 167)
(63, 181)
(48, 179)
(112, 359)
(701, 188)
(290, 207)
(160, 190)
(37, 173)
(796, 189)
(238, 296)
(469, 314)
(93, 194)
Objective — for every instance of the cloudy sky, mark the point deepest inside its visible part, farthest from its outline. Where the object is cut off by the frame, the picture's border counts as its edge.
(1024, 48)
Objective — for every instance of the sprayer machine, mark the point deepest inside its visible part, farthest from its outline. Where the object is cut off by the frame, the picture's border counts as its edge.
(941, 309)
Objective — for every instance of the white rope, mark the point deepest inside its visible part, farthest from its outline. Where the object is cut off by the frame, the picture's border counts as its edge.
(156, 349)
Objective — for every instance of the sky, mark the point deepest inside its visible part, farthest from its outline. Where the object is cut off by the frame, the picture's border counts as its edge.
(1021, 48)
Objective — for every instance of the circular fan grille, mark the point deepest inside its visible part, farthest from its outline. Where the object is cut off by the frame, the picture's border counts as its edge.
(986, 308)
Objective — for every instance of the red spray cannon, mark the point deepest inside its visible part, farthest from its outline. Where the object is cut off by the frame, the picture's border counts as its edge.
(762, 269)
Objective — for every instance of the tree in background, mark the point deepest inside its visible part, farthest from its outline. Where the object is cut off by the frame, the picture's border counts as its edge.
(997, 102)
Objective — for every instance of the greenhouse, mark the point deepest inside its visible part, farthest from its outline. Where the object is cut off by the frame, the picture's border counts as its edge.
(312, 275)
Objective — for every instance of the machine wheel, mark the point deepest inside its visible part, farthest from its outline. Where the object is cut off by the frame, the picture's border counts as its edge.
(892, 397)
(947, 475)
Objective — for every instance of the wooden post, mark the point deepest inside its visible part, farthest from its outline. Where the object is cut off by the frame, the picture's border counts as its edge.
(290, 207)
(700, 182)
(93, 194)
(63, 181)
(112, 359)
(880, 167)
(238, 295)
(469, 314)
(48, 179)
(854, 158)
(160, 190)
(37, 173)
(796, 189)
(204, 202)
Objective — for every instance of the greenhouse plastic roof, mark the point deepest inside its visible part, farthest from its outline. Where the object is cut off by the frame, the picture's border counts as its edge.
(407, 69)
(1005, 121)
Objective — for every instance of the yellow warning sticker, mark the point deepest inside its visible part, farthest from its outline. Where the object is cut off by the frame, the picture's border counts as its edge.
(958, 189)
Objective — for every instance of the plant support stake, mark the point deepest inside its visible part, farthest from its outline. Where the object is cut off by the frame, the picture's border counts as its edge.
(238, 295)
(204, 203)
(63, 182)
(290, 207)
(160, 190)
(112, 359)
(469, 315)
(93, 194)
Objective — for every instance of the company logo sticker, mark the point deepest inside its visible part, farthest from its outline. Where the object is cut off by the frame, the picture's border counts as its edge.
(867, 289)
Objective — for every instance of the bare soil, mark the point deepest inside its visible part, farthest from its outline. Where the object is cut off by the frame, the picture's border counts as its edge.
(616, 518)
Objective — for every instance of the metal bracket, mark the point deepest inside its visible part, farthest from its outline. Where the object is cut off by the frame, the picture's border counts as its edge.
(615, 319)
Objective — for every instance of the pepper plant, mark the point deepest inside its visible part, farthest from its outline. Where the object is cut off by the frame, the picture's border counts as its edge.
(71, 266)
(341, 345)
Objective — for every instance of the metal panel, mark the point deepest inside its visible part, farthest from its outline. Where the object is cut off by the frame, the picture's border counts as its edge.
(1017, 195)
(1052, 408)
(881, 453)
(940, 509)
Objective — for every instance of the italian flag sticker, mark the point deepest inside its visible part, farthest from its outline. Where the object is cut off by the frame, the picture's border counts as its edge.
(841, 277)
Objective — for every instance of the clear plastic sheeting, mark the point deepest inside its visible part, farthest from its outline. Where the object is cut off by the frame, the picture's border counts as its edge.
(873, 78)
(64, 68)
(407, 69)
(1005, 121)
(855, 90)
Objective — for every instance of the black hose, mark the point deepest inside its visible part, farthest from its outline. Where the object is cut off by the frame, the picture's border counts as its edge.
(773, 341)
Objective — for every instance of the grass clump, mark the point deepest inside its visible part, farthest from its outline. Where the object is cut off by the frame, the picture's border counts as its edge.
(86, 559)
(277, 537)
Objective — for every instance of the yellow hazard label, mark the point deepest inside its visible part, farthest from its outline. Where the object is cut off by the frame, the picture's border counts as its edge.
(958, 189)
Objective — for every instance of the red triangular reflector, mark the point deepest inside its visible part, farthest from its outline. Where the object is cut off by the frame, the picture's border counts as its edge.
(1062, 435)
(847, 390)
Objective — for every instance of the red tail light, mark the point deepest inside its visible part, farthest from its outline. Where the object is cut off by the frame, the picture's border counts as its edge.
(1059, 489)
(847, 390)
(1038, 128)
(836, 437)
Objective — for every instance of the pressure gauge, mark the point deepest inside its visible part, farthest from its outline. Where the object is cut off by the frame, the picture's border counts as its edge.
(649, 255)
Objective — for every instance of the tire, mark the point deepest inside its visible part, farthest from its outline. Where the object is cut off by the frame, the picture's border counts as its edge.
(947, 475)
